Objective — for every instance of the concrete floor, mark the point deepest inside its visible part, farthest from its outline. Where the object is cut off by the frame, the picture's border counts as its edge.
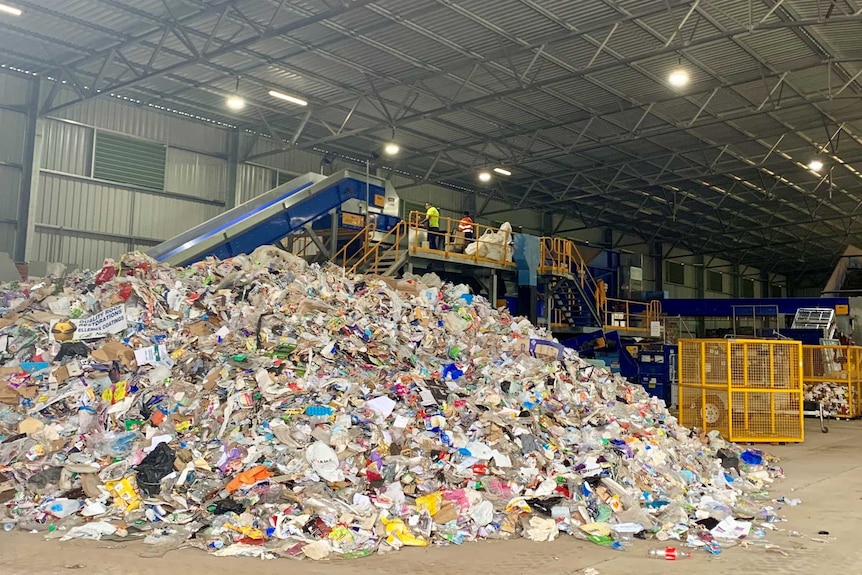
(823, 472)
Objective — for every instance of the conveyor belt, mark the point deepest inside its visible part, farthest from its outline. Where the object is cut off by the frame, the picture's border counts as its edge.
(266, 218)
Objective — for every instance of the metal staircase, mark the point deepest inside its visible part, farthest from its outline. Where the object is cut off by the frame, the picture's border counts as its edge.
(366, 253)
(816, 318)
(580, 301)
(573, 306)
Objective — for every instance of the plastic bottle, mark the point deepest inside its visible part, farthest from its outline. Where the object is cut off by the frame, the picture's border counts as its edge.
(669, 554)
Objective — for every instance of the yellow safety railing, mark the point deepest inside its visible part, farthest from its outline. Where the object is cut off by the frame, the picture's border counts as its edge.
(355, 247)
(302, 247)
(380, 254)
(453, 244)
(558, 256)
(623, 314)
(748, 390)
(839, 369)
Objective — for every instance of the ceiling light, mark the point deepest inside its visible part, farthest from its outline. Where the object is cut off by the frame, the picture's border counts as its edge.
(815, 165)
(10, 10)
(678, 78)
(484, 176)
(503, 171)
(235, 102)
(288, 98)
(391, 149)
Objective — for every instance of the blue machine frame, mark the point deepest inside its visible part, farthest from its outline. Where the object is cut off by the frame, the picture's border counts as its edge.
(725, 307)
(267, 218)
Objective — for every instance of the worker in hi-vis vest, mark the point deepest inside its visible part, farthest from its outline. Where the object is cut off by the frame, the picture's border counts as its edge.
(465, 226)
(432, 218)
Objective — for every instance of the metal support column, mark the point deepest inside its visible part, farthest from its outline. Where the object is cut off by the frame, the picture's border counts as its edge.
(764, 284)
(232, 193)
(333, 229)
(735, 280)
(493, 287)
(608, 238)
(32, 159)
(700, 276)
(656, 252)
(547, 223)
(318, 242)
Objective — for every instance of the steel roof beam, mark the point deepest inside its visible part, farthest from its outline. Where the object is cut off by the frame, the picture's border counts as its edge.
(225, 49)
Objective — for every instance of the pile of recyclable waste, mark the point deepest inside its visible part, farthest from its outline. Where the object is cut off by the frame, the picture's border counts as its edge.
(260, 406)
(833, 397)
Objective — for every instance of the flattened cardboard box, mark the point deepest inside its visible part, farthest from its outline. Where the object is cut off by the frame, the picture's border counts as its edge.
(115, 351)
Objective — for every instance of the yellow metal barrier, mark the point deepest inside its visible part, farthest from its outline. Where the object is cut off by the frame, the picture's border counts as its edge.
(372, 256)
(623, 314)
(558, 256)
(454, 243)
(838, 367)
(383, 253)
(304, 247)
(356, 247)
(749, 390)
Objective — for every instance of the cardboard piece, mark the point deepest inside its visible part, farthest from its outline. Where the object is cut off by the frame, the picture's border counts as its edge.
(201, 329)
(115, 351)
(8, 395)
(30, 426)
(541, 348)
(64, 372)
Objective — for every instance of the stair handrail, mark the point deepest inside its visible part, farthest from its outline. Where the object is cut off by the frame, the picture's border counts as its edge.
(364, 234)
(306, 242)
(399, 231)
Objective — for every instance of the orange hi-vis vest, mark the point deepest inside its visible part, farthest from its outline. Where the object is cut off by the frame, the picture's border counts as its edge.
(465, 225)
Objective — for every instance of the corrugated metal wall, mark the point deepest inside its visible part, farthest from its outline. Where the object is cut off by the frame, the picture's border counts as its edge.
(144, 122)
(293, 161)
(252, 181)
(13, 125)
(81, 220)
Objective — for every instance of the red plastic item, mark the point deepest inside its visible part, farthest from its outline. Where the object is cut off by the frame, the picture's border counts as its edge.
(480, 469)
(669, 554)
(125, 291)
(107, 272)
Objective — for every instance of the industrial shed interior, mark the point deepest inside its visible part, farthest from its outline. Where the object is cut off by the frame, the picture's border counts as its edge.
(594, 222)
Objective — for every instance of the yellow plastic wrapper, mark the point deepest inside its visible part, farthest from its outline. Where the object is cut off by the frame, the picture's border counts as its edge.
(397, 532)
(518, 504)
(249, 532)
(125, 492)
(596, 529)
(430, 503)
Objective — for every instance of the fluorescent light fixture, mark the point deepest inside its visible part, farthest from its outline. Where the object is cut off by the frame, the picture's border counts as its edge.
(288, 98)
(391, 149)
(678, 78)
(10, 10)
(815, 165)
(484, 176)
(503, 171)
(235, 102)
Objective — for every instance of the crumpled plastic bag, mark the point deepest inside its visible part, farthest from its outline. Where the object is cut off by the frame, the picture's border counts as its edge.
(324, 461)
(94, 530)
(542, 529)
(154, 467)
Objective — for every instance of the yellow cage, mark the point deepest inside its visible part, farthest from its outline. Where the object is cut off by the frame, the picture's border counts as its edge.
(748, 390)
(840, 368)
